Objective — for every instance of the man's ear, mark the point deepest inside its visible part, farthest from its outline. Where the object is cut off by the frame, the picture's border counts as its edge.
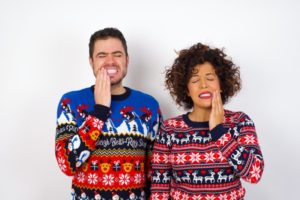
(91, 62)
(127, 61)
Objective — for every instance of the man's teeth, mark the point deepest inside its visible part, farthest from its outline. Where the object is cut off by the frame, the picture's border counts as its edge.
(111, 71)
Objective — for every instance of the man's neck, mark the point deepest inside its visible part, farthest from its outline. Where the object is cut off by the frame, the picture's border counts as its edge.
(117, 89)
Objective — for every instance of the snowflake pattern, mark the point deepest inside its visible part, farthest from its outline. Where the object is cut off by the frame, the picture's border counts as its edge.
(154, 196)
(209, 157)
(177, 195)
(223, 197)
(255, 171)
(108, 179)
(137, 178)
(210, 197)
(172, 123)
(98, 124)
(185, 197)
(165, 196)
(224, 139)
(80, 177)
(165, 158)
(195, 158)
(180, 158)
(61, 164)
(233, 195)
(124, 179)
(156, 158)
(196, 197)
(93, 179)
(249, 139)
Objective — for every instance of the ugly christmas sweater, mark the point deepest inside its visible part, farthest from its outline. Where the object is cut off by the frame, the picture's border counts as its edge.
(190, 162)
(106, 149)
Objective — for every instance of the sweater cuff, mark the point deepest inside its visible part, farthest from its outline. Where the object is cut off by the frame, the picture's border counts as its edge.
(101, 112)
(217, 132)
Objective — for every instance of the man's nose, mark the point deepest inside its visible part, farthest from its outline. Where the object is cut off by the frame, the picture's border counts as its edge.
(109, 59)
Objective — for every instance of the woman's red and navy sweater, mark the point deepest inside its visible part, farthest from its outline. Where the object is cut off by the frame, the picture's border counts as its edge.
(106, 149)
(190, 162)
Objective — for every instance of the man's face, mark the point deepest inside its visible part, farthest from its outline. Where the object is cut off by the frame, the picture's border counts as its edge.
(110, 54)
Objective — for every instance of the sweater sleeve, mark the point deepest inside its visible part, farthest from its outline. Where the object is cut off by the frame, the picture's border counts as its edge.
(73, 143)
(161, 166)
(149, 149)
(239, 145)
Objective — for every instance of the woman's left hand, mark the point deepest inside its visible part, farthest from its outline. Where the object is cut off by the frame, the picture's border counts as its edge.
(217, 111)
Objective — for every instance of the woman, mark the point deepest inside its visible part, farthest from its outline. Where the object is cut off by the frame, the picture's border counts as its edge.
(204, 153)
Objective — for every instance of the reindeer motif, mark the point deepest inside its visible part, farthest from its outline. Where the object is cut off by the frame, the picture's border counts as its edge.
(157, 177)
(236, 157)
(162, 139)
(178, 180)
(230, 177)
(185, 140)
(231, 163)
(187, 177)
(221, 177)
(210, 178)
(235, 132)
(166, 178)
(197, 178)
(174, 139)
(197, 138)
(168, 140)
(207, 139)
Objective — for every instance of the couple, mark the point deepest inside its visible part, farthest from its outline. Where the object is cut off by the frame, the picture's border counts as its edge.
(112, 139)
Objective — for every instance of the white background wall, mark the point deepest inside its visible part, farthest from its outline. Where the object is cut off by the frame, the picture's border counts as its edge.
(44, 53)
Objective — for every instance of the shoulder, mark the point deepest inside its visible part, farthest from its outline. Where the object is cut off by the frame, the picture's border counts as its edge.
(174, 122)
(76, 94)
(235, 116)
(142, 96)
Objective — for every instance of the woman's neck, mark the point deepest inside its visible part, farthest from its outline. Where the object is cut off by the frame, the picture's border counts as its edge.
(200, 114)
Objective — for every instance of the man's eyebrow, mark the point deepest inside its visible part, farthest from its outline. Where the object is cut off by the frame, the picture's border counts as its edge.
(116, 52)
(105, 53)
(101, 53)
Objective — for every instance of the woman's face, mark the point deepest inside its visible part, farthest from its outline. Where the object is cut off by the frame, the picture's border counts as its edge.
(202, 84)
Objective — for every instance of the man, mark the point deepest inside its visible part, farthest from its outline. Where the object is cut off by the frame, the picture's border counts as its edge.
(105, 132)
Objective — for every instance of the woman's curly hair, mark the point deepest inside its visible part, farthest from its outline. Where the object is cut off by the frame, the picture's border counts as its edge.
(178, 75)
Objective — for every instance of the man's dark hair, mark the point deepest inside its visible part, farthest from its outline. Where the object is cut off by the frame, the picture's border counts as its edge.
(105, 34)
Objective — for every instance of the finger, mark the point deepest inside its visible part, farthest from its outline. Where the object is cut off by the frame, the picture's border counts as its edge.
(214, 102)
(219, 102)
